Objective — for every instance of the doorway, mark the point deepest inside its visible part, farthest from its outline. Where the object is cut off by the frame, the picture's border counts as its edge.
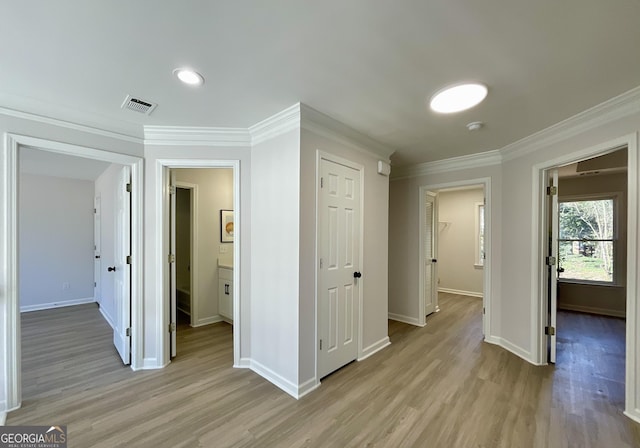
(455, 243)
(587, 249)
(340, 252)
(572, 256)
(10, 273)
(214, 188)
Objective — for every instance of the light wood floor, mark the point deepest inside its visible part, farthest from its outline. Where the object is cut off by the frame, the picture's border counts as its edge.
(437, 386)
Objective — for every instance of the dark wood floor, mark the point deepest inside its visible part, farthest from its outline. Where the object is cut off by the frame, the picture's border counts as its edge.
(437, 386)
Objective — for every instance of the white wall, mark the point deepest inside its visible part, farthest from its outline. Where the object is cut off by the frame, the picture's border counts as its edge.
(602, 299)
(457, 270)
(215, 193)
(106, 186)
(275, 246)
(55, 231)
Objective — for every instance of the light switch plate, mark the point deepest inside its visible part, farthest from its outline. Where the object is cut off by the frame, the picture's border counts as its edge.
(223, 249)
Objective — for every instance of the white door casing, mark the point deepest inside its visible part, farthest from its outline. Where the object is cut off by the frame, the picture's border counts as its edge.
(97, 249)
(173, 305)
(552, 263)
(339, 209)
(430, 252)
(122, 273)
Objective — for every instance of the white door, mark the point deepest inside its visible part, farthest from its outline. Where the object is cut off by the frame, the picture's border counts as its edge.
(430, 251)
(173, 307)
(339, 275)
(552, 264)
(122, 269)
(97, 249)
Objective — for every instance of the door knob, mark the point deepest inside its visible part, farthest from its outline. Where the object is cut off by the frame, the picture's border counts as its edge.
(434, 260)
(111, 269)
(97, 256)
(357, 275)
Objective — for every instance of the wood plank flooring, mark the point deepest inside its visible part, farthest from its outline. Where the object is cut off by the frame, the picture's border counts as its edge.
(437, 386)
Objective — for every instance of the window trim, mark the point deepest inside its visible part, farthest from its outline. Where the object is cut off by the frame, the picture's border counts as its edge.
(615, 196)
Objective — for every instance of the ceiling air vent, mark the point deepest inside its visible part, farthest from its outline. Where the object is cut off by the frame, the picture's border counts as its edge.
(138, 105)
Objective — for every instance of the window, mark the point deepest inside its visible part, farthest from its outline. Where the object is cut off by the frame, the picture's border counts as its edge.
(479, 257)
(587, 239)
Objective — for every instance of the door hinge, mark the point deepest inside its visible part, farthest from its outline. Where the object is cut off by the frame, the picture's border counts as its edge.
(128, 332)
(321, 263)
(95, 284)
(95, 211)
(172, 258)
(172, 327)
(551, 331)
(129, 188)
(128, 259)
(322, 182)
(172, 189)
(484, 311)
(320, 344)
(551, 191)
(551, 261)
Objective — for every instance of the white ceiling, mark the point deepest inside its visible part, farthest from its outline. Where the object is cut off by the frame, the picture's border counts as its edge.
(47, 163)
(371, 64)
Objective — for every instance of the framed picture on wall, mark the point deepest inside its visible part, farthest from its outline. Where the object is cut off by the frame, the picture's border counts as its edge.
(226, 226)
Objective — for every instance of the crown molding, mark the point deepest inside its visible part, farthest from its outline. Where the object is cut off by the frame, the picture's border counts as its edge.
(326, 126)
(278, 124)
(488, 158)
(613, 109)
(69, 125)
(196, 136)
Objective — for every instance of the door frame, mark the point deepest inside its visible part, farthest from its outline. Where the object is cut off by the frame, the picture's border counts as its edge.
(320, 155)
(485, 182)
(193, 242)
(161, 267)
(539, 304)
(434, 252)
(9, 173)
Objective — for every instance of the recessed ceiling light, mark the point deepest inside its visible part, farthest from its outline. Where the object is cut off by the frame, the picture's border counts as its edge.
(458, 98)
(188, 76)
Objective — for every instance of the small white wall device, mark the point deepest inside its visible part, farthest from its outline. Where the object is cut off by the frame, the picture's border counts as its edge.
(384, 168)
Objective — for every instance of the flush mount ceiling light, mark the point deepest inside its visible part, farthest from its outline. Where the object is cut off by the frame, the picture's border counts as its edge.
(458, 98)
(188, 76)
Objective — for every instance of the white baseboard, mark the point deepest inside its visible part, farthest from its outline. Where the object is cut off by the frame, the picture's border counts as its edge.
(461, 292)
(405, 319)
(308, 387)
(58, 304)
(3, 418)
(208, 321)
(274, 378)
(375, 348)
(245, 363)
(106, 317)
(150, 364)
(592, 310)
(633, 415)
(513, 348)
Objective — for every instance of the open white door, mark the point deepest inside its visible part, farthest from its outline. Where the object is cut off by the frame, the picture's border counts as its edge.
(552, 263)
(339, 274)
(122, 267)
(97, 249)
(430, 251)
(173, 306)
